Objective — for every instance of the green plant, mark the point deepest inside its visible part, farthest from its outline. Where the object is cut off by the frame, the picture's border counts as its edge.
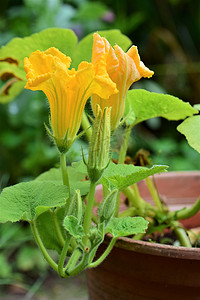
(59, 203)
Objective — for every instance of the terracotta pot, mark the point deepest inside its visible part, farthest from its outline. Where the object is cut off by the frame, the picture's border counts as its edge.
(140, 270)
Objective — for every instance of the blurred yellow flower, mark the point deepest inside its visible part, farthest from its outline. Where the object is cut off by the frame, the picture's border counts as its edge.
(123, 68)
(67, 90)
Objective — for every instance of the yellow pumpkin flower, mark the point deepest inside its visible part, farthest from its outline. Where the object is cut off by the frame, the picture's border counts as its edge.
(124, 69)
(67, 90)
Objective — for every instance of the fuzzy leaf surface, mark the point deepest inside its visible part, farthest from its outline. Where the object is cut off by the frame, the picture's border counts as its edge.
(76, 179)
(27, 200)
(142, 105)
(47, 229)
(72, 226)
(126, 226)
(121, 176)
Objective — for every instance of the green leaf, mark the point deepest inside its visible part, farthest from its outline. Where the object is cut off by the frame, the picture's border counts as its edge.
(121, 176)
(12, 55)
(197, 106)
(80, 167)
(76, 179)
(191, 129)
(72, 226)
(83, 51)
(126, 226)
(142, 105)
(10, 90)
(47, 229)
(27, 200)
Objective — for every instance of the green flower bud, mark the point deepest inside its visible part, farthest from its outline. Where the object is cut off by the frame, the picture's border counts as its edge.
(107, 207)
(99, 149)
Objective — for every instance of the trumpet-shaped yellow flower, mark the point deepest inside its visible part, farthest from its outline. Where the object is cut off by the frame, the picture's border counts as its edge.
(124, 69)
(67, 90)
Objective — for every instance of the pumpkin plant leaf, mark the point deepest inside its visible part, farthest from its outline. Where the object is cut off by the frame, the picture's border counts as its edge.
(47, 228)
(126, 226)
(191, 129)
(27, 200)
(76, 179)
(121, 176)
(142, 105)
(73, 227)
(12, 56)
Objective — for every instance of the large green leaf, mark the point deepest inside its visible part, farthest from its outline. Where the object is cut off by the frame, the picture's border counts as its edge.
(12, 54)
(47, 228)
(76, 179)
(191, 129)
(84, 48)
(126, 226)
(142, 105)
(121, 176)
(27, 200)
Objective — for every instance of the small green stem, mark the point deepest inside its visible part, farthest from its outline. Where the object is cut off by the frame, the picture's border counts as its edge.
(78, 268)
(47, 257)
(186, 212)
(117, 205)
(86, 126)
(104, 255)
(154, 193)
(138, 236)
(123, 150)
(63, 166)
(129, 212)
(72, 261)
(88, 212)
(63, 256)
(182, 237)
(58, 230)
(132, 193)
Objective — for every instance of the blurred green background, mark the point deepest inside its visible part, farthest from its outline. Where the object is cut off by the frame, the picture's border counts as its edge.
(167, 34)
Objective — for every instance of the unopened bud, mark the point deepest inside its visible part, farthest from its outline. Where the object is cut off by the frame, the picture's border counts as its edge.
(108, 206)
(99, 149)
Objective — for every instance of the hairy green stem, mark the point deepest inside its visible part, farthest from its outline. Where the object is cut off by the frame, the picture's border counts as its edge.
(132, 193)
(72, 261)
(78, 268)
(88, 212)
(104, 255)
(129, 212)
(63, 257)
(58, 230)
(123, 150)
(154, 193)
(182, 237)
(63, 167)
(122, 156)
(86, 126)
(186, 212)
(46, 255)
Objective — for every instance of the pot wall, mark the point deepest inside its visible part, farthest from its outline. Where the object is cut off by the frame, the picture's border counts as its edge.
(140, 270)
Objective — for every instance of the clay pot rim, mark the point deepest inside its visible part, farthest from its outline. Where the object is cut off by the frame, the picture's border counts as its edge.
(156, 248)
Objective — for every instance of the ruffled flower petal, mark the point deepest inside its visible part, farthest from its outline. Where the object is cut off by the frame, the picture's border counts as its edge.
(67, 90)
(123, 69)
